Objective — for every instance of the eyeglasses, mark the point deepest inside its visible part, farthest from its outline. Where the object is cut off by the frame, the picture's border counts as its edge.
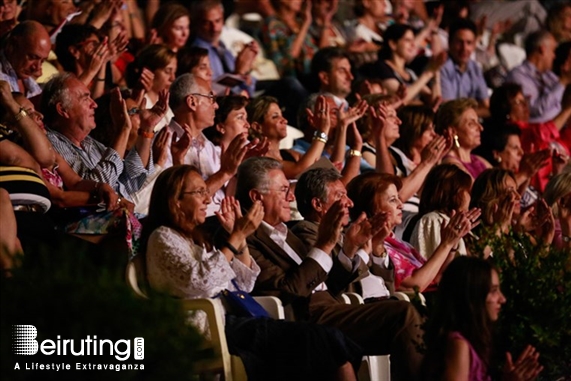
(202, 192)
(212, 97)
(134, 110)
(286, 190)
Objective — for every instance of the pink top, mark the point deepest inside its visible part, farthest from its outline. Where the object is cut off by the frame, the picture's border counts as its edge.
(478, 370)
(405, 258)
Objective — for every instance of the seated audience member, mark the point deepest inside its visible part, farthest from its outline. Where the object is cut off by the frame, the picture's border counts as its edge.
(383, 130)
(296, 275)
(9, 243)
(399, 49)
(266, 121)
(69, 114)
(80, 51)
(371, 22)
(194, 106)
(557, 22)
(8, 16)
(287, 41)
(558, 196)
(446, 191)
(171, 25)
(374, 193)
(459, 335)
(510, 104)
(331, 69)
(458, 119)
(153, 71)
(543, 89)
(461, 77)
(181, 263)
(231, 120)
(504, 150)
(207, 23)
(316, 192)
(194, 60)
(27, 47)
(495, 193)
(327, 31)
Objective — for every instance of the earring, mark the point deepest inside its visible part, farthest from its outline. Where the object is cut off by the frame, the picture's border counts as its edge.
(456, 142)
(499, 159)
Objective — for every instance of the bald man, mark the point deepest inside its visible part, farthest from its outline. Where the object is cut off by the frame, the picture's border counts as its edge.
(21, 60)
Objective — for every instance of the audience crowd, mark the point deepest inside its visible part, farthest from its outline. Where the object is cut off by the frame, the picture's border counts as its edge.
(299, 149)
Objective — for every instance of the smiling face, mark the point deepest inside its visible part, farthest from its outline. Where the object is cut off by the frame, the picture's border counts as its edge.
(462, 45)
(203, 69)
(276, 198)
(275, 125)
(389, 201)
(469, 130)
(177, 35)
(79, 113)
(205, 105)
(392, 125)
(338, 80)
(427, 136)
(30, 109)
(405, 47)
(165, 76)
(194, 199)
(495, 298)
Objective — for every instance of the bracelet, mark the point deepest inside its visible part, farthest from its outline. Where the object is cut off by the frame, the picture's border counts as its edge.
(233, 249)
(383, 254)
(321, 136)
(21, 114)
(146, 135)
(354, 153)
(100, 79)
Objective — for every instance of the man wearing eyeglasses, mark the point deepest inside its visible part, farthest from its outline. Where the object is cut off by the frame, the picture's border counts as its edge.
(311, 279)
(194, 107)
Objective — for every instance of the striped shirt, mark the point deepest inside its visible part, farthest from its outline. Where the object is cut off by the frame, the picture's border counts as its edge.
(94, 161)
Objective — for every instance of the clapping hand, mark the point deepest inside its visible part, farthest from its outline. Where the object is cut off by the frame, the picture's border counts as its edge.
(249, 223)
(526, 367)
(227, 215)
(151, 117)
(362, 230)
(436, 150)
(180, 147)
(161, 146)
(331, 225)
(321, 120)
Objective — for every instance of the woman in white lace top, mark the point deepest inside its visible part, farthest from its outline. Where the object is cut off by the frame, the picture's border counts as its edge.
(182, 263)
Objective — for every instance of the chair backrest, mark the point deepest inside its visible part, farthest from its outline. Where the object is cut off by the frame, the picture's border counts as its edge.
(133, 273)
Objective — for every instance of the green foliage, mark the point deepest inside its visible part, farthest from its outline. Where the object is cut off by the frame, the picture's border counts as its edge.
(66, 293)
(536, 281)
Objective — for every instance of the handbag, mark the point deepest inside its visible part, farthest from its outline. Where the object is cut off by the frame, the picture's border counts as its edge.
(242, 304)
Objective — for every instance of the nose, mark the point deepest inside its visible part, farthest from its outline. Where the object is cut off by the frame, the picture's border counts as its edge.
(290, 197)
(502, 298)
(172, 77)
(349, 202)
(350, 75)
(93, 104)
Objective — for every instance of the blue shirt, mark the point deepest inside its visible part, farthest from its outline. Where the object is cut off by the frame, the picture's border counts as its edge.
(457, 84)
(215, 56)
(543, 90)
(8, 74)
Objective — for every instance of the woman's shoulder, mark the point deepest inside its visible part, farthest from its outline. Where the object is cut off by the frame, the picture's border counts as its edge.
(165, 234)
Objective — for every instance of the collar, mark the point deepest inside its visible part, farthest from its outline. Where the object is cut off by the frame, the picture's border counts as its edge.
(279, 230)
(178, 130)
(205, 44)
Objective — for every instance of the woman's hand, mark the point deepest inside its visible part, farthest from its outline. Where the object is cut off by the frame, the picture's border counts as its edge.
(526, 367)
(503, 211)
(118, 46)
(459, 225)
(143, 85)
(97, 57)
(531, 162)
(353, 114)
(161, 147)
(361, 231)
(544, 222)
(436, 62)
(151, 117)
(321, 120)
(249, 223)
(435, 150)
(227, 215)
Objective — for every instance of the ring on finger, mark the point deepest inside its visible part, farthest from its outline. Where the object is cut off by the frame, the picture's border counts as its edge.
(458, 227)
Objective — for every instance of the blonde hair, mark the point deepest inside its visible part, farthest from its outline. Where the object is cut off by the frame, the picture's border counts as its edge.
(558, 186)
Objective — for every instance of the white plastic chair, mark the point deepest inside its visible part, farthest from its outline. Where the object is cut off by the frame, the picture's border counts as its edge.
(223, 363)
(406, 297)
(378, 368)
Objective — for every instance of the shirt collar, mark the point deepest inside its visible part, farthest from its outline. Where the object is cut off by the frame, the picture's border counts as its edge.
(178, 130)
(280, 230)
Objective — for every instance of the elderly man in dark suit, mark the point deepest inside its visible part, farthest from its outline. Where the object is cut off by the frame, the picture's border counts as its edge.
(311, 279)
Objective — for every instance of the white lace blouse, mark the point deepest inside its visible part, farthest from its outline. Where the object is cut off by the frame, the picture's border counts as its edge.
(426, 234)
(176, 265)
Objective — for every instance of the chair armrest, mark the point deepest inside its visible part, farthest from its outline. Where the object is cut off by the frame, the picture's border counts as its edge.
(272, 305)
(353, 298)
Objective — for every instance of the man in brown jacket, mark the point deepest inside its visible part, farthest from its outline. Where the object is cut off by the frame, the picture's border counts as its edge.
(311, 280)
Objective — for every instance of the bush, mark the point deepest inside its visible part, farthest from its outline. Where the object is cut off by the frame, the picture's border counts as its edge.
(66, 293)
(536, 282)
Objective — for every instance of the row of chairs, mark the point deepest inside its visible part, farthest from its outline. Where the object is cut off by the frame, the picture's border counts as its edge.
(374, 368)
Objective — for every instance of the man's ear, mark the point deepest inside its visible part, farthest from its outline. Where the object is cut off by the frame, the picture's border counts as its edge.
(255, 195)
(191, 102)
(61, 110)
(323, 78)
(317, 205)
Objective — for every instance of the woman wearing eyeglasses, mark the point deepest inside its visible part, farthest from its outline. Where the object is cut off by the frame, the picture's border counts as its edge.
(182, 263)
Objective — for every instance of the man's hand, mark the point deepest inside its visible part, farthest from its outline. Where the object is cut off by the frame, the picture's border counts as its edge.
(330, 227)
(245, 59)
(179, 148)
(161, 147)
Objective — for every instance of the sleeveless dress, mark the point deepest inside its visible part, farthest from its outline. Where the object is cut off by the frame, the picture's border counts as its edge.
(478, 370)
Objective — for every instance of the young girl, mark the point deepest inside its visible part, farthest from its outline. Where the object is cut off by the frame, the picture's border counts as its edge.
(459, 338)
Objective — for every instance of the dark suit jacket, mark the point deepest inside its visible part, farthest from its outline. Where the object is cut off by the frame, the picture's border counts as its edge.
(281, 276)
